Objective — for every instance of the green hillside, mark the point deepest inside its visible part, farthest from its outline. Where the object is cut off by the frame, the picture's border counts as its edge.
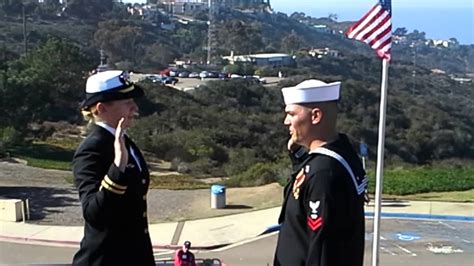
(228, 128)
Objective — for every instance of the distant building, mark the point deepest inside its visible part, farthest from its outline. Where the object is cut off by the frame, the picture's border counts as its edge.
(441, 43)
(322, 28)
(188, 8)
(271, 59)
(197, 3)
(462, 80)
(399, 39)
(438, 71)
(321, 52)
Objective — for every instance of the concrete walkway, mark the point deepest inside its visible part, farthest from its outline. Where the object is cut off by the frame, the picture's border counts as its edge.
(220, 231)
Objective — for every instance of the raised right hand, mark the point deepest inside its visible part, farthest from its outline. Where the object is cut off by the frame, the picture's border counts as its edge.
(121, 152)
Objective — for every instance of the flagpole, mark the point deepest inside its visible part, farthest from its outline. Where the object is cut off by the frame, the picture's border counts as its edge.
(380, 157)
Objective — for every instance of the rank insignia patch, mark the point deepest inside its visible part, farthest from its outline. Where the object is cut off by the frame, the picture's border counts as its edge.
(315, 224)
(313, 221)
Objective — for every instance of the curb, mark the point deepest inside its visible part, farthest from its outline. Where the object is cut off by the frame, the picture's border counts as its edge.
(75, 244)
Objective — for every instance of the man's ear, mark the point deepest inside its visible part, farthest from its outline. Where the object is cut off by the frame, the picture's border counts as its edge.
(316, 115)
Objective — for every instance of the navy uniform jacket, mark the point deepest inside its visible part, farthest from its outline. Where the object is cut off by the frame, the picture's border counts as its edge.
(113, 204)
(322, 217)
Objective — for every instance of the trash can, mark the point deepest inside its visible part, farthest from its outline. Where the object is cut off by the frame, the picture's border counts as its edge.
(217, 196)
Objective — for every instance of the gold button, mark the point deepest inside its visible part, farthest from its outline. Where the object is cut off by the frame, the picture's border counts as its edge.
(144, 214)
(146, 230)
(143, 181)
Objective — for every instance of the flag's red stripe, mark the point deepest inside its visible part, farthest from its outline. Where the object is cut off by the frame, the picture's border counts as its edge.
(371, 23)
(376, 28)
(380, 36)
(364, 24)
(362, 19)
(386, 43)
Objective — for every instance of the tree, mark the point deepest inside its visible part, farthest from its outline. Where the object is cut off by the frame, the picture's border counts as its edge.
(333, 16)
(158, 56)
(400, 31)
(119, 40)
(47, 84)
(240, 37)
(89, 9)
(292, 42)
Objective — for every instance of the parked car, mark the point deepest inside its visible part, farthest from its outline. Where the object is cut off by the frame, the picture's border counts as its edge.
(193, 75)
(204, 74)
(183, 74)
(260, 79)
(154, 78)
(169, 80)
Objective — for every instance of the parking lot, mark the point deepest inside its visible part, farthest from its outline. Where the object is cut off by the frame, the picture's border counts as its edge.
(185, 84)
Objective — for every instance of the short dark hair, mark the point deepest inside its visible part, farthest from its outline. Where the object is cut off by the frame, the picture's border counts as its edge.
(187, 244)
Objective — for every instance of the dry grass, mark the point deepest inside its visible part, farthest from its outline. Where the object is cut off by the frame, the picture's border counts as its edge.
(238, 200)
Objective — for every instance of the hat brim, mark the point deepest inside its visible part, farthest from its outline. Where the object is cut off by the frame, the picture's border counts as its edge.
(128, 92)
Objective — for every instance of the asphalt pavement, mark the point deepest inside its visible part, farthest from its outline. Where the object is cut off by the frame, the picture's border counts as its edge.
(217, 232)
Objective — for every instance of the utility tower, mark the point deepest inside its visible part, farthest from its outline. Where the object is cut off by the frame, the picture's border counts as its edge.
(211, 33)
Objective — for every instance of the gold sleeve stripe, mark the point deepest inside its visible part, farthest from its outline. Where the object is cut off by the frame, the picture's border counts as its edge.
(112, 183)
(112, 189)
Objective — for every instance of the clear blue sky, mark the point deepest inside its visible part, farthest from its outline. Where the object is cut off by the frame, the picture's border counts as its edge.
(439, 19)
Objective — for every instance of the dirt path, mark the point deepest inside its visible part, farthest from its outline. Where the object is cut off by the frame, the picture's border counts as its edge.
(54, 201)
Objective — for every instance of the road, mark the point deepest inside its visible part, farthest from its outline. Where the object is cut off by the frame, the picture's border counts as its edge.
(403, 242)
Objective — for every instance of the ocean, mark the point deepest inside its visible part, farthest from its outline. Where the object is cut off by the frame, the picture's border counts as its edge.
(437, 23)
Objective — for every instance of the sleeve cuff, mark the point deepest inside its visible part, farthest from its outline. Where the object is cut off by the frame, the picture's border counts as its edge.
(115, 181)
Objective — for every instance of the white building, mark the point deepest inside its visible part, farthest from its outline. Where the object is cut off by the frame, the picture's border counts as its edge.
(269, 59)
(320, 52)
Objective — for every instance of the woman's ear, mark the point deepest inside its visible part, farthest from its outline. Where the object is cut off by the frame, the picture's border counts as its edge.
(316, 115)
(100, 107)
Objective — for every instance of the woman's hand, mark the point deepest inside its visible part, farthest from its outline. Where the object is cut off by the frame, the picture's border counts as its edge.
(121, 152)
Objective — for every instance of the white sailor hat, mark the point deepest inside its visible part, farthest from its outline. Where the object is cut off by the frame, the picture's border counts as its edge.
(311, 91)
(109, 86)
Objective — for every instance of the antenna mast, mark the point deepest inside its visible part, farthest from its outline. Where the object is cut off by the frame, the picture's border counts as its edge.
(211, 34)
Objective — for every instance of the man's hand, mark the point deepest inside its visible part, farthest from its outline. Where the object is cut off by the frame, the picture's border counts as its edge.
(121, 152)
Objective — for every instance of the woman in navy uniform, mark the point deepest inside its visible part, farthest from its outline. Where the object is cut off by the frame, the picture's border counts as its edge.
(112, 177)
(322, 217)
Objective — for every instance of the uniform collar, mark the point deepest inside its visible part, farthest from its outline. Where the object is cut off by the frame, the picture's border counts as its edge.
(106, 127)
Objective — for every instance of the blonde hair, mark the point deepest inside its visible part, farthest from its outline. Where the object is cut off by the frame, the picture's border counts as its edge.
(90, 114)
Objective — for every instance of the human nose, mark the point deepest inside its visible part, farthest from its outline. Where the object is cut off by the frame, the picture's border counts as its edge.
(286, 121)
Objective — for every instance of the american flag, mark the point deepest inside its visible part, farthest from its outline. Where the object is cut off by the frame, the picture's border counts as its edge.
(375, 28)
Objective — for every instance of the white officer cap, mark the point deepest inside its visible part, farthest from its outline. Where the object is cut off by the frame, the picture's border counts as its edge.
(311, 91)
(109, 86)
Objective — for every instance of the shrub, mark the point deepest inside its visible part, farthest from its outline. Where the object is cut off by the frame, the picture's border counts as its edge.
(174, 181)
(401, 181)
(258, 174)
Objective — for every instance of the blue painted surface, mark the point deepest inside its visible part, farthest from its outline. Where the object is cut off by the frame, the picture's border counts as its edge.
(424, 216)
(217, 189)
(363, 150)
(407, 236)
